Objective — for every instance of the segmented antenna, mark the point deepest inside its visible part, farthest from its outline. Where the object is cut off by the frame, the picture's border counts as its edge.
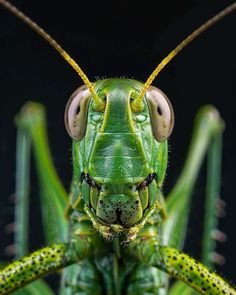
(184, 43)
(54, 44)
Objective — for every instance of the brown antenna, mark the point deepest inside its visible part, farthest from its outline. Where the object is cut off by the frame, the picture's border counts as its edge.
(184, 43)
(98, 102)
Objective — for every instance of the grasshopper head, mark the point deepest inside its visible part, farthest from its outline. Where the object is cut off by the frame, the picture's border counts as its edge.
(119, 152)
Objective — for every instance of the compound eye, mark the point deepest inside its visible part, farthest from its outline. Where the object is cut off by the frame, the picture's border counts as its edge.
(76, 113)
(161, 113)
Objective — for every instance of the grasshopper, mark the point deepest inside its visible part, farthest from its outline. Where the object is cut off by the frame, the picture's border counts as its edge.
(115, 233)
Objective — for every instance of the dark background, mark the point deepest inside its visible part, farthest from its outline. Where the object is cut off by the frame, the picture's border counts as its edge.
(115, 39)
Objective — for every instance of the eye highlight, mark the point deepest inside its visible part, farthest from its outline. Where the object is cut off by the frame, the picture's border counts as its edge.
(161, 113)
(76, 113)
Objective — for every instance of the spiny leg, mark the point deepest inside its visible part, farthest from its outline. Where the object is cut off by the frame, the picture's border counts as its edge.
(212, 200)
(182, 267)
(30, 268)
(42, 262)
(193, 273)
(207, 131)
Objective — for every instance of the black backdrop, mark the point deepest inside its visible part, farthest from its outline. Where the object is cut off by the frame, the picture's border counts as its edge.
(117, 39)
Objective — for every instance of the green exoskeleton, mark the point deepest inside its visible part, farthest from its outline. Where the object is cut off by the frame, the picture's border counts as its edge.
(115, 233)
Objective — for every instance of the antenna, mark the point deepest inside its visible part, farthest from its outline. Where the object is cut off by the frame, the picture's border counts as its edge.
(55, 45)
(183, 44)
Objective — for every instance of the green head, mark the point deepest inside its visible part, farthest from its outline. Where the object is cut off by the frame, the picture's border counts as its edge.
(119, 149)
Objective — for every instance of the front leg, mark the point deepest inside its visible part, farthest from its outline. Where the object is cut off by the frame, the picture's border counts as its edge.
(182, 267)
(192, 272)
(42, 262)
(29, 268)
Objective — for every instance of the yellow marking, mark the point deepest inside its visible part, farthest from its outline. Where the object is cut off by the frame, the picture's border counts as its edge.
(77, 201)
